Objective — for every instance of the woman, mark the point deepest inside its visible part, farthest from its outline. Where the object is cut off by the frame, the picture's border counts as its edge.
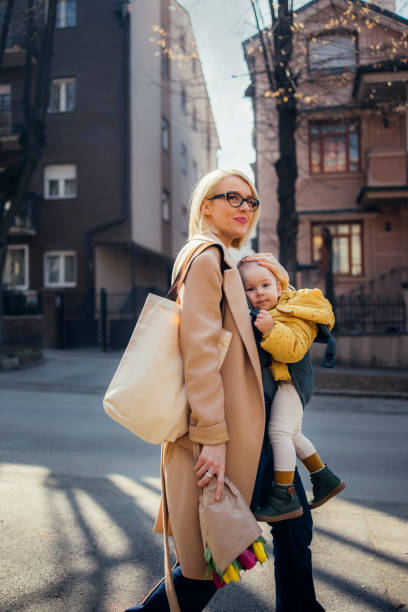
(227, 406)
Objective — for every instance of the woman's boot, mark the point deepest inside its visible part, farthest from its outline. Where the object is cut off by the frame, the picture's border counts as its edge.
(193, 595)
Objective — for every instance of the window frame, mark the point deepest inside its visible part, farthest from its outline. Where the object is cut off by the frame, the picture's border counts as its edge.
(339, 33)
(349, 274)
(63, 81)
(61, 180)
(26, 249)
(323, 122)
(61, 282)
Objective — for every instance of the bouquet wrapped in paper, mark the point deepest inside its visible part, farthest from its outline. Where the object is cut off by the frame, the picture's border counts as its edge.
(231, 536)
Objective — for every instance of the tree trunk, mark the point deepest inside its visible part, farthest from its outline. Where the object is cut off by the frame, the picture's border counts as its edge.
(286, 165)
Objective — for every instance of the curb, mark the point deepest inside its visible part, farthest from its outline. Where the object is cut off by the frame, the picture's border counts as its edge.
(356, 393)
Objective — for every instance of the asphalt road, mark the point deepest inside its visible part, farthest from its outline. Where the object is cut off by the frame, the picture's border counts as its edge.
(78, 495)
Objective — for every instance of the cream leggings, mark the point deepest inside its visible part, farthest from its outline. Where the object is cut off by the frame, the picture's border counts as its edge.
(285, 429)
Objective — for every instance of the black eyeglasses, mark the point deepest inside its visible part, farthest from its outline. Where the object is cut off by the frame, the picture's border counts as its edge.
(236, 200)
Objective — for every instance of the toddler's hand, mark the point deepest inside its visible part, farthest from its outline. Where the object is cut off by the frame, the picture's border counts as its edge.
(264, 321)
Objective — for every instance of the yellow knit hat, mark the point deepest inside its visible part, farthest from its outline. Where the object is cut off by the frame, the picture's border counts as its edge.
(269, 261)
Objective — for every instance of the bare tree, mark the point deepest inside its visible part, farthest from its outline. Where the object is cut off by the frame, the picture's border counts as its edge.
(37, 26)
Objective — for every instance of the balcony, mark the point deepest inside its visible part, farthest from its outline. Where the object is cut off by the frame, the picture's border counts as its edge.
(9, 133)
(386, 180)
(14, 53)
(25, 224)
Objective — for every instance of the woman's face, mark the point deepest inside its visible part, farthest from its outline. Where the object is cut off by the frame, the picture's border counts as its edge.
(225, 221)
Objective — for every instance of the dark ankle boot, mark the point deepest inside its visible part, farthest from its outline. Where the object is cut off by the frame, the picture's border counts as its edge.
(193, 595)
(325, 486)
(283, 503)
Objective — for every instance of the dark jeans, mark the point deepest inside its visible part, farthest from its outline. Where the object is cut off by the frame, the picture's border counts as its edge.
(291, 540)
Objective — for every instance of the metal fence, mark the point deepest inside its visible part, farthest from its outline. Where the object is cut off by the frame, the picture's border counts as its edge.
(370, 314)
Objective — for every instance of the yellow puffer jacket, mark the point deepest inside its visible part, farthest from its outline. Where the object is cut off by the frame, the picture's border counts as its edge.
(296, 316)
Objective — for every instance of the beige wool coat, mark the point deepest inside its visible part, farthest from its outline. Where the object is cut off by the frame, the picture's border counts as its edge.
(227, 405)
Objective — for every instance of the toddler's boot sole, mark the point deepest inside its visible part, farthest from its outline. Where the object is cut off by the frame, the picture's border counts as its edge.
(281, 517)
(325, 499)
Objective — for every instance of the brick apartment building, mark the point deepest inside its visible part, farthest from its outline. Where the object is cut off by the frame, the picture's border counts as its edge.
(351, 142)
(129, 131)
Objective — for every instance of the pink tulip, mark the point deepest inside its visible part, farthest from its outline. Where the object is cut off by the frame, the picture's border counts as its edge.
(247, 559)
(219, 583)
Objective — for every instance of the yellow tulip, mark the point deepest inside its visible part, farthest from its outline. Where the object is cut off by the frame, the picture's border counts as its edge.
(234, 575)
(259, 551)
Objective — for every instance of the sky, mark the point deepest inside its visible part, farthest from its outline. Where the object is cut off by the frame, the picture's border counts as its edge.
(220, 27)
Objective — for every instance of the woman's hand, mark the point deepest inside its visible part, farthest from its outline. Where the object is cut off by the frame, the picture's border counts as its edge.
(211, 462)
(264, 322)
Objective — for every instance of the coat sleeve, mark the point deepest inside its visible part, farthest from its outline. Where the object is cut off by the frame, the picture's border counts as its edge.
(288, 341)
(200, 330)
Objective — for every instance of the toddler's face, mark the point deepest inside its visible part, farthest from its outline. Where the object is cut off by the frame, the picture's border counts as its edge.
(261, 286)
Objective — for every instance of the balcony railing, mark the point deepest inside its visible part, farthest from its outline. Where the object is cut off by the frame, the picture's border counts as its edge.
(386, 169)
(25, 224)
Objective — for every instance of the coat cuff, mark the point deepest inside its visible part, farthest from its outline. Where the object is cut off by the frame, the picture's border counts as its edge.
(212, 434)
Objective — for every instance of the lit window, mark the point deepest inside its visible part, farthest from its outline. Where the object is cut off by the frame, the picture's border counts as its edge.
(60, 181)
(347, 247)
(183, 158)
(165, 134)
(60, 269)
(16, 268)
(334, 147)
(332, 52)
(66, 14)
(62, 96)
(165, 203)
(5, 109)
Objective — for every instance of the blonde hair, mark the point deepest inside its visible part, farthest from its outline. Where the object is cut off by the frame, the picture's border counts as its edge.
(207, 187)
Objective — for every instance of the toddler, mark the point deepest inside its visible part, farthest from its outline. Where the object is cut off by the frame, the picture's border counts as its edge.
(288, 321)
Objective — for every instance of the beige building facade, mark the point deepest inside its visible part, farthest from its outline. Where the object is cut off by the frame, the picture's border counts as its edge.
(351, 137)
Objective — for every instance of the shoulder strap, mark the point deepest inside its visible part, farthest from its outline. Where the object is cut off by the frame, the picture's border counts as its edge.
(180, 278)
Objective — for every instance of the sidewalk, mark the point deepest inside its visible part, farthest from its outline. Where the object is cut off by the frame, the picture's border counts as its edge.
(366, 382)
(90, 371)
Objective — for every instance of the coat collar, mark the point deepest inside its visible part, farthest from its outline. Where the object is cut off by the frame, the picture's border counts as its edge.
(234, 294)
(237, 302)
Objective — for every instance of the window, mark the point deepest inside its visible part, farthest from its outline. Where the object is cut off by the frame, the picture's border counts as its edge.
(165, 203)
(60, 269)
(194, 119)
(208, 140)
(5, 109)
(165, 134)
(182, 41)
(334, 147)
(16, 268)
(183, 98)
(165, 66)
(62, 96)
(60, 181)
(184, 221)
(332, 52)
(347, 246)
(183, 158)
(66, 14)
(194, 172)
